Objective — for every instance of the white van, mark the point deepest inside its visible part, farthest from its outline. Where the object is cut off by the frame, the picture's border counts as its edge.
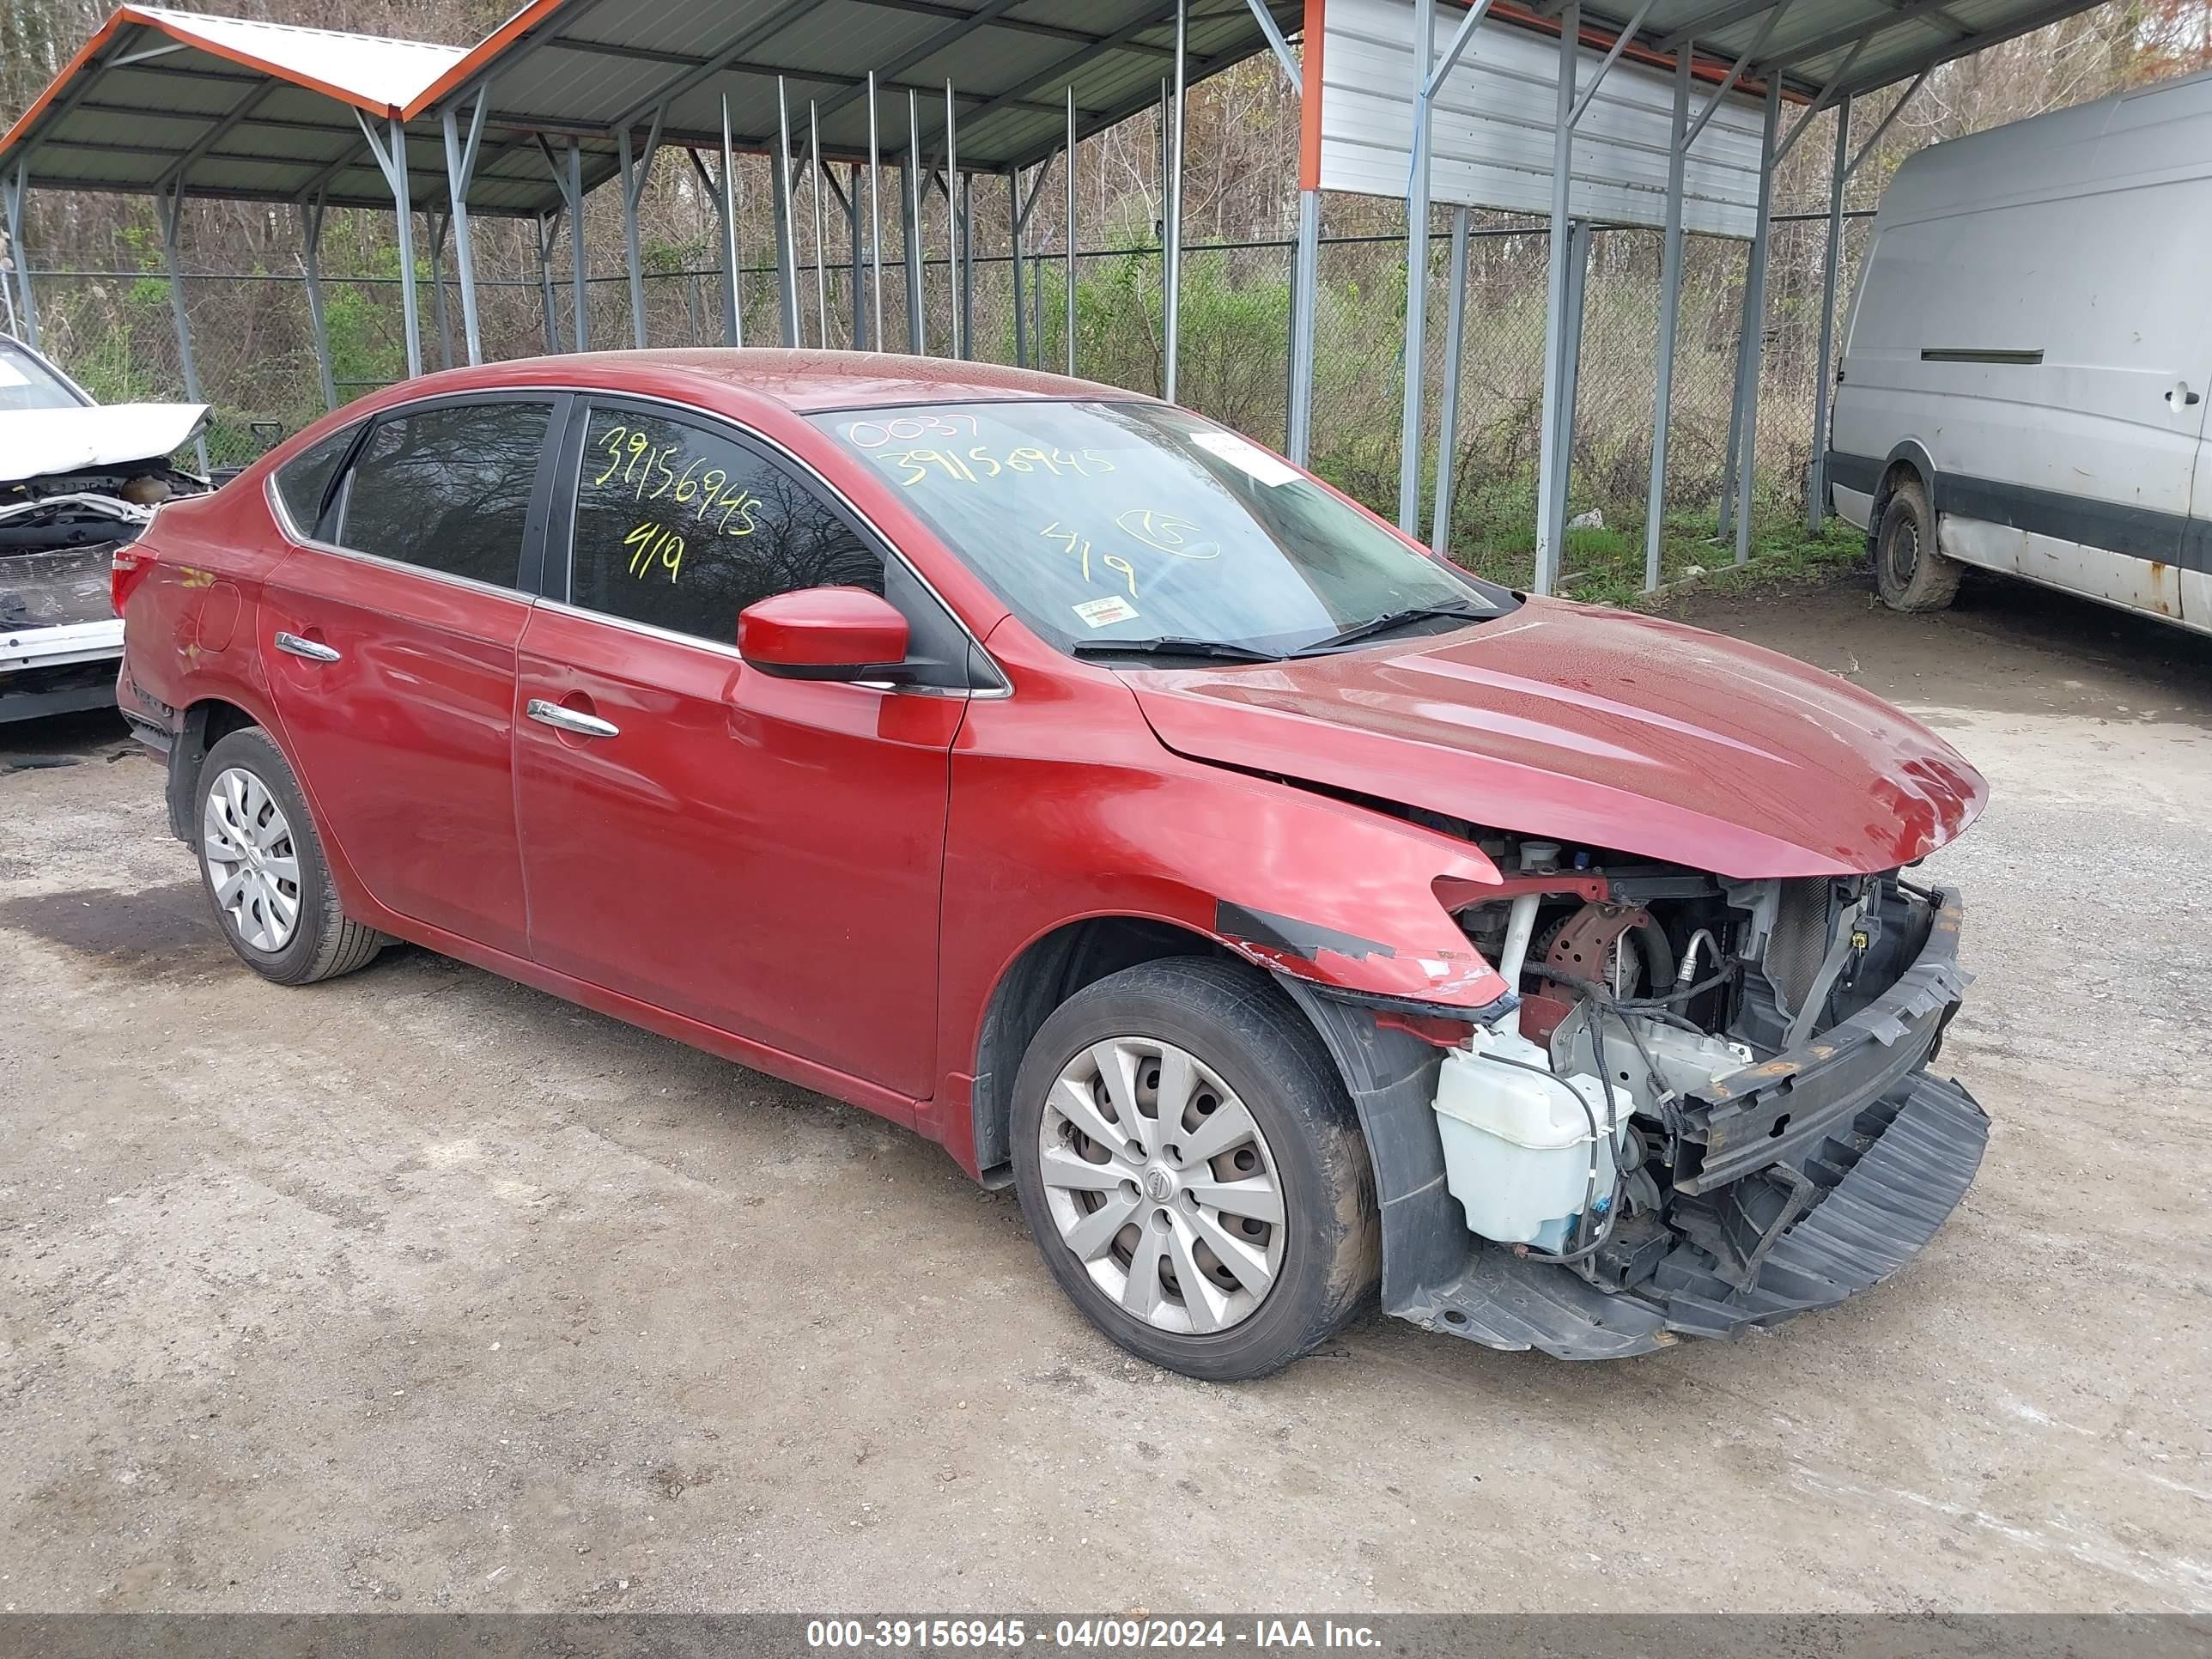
(2024, 371)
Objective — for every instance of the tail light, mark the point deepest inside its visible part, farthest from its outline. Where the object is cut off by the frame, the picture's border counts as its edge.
(126, 570)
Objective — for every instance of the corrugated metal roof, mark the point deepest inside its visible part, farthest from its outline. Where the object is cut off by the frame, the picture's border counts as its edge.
(267, 112)
(586, 69)
(248, 110)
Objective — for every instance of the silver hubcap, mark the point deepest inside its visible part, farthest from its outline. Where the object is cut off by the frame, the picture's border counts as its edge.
(1161, 1182)
(252, 863)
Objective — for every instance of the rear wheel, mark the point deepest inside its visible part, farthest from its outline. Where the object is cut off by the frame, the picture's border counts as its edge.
(1911, 572)
(1194, 1175)
(262, 864)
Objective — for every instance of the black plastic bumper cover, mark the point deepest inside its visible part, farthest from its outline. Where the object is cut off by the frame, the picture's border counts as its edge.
(1891, 1150)
(1916, 1150)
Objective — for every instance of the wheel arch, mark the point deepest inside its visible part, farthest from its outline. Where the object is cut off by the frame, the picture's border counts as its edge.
(1907, 458)
(1041, 975)
(203, 724)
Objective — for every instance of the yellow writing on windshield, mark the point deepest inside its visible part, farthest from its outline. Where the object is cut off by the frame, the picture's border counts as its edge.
(1080, 547)
(1166, 533)
(977, 463)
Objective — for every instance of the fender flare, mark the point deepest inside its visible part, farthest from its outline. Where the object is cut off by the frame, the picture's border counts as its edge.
(1909, 452)
(1391, 1076)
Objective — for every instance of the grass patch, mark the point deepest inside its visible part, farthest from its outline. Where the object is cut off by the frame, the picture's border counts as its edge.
(1605, 566)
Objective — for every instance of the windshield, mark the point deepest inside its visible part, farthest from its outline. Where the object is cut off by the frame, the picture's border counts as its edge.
(27, 383)
(1102, 524)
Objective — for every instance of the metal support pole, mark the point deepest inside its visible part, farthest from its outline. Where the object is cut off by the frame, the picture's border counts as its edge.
(1670, 312)
(461, 171)
(439, 222)
(821, 248)
(1816, 482)
(579, 307)
(968, 266)
(861, 340)
(1447, 417)
(634, 173)
(1417, 275)
(12, 194)
(548, 227)
(1305, 281)
(1550, 534)
(1014, 241)
(1755, 324)
(875, 214)
(310, 239)
(167, 205)
(917, 323)
(952, 227)
(1571, 371)
(1070, 272)
(787, 233)
(733, 314)
(391, 159)
(1171, 241)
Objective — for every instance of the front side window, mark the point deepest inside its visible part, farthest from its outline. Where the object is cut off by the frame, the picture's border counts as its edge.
(680, 526)
(26, 383)
(304, 481)
(1120, 523)
(448, 489)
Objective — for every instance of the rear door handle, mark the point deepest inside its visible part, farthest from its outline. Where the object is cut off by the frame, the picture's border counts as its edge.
(312, 650)
(568, 719)
(2182, 397)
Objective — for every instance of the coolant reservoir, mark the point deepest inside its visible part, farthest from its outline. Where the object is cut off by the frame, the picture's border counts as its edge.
(1517, 1143)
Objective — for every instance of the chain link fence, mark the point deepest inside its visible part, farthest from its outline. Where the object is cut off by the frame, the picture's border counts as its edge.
(253, 347)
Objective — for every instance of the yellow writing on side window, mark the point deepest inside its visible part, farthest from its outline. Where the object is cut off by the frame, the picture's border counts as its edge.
(654, 548)
(633, 456)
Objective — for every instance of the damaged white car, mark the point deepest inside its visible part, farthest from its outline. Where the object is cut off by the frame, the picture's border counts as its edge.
(77, 479)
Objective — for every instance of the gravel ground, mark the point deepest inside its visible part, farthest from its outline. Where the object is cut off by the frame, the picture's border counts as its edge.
(422, 1290)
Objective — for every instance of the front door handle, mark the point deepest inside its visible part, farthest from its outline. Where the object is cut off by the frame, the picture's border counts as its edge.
(2182, 397)
(568, 719)
(312, 650)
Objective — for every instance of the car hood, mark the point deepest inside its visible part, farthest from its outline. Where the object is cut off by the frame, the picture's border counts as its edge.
(35, 443)
(1596, 729)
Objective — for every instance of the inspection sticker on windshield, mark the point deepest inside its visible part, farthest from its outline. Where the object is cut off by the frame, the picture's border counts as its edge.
(1246, 456)
(1104, 613)
(11, 375)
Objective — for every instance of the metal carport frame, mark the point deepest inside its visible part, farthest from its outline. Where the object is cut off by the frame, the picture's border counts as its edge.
(546, 109)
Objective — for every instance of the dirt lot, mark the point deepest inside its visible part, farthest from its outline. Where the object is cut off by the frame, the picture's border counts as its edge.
(420, 1290)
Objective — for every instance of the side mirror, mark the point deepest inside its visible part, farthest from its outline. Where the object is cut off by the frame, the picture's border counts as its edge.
(824, 634)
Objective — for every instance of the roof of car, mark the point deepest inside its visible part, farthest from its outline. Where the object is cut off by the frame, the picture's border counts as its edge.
(805, 381)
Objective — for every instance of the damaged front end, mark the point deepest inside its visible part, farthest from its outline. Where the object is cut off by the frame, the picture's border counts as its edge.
(1710, 1107)
(59, 635)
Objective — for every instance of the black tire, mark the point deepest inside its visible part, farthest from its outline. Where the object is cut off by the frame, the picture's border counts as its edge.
(1236, 1023)
(1910, 571)
(324, 943)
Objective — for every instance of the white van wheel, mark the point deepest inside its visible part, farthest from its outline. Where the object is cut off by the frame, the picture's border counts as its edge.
(1910, 571)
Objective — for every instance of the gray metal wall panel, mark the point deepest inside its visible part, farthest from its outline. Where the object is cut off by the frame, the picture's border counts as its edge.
(1492, 137)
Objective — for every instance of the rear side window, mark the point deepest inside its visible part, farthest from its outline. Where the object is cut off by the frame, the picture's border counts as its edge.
(447, 489)
(681, 527)
(304, 481)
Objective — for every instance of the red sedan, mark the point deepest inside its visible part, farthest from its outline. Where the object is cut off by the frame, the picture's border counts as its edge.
(1280, 909)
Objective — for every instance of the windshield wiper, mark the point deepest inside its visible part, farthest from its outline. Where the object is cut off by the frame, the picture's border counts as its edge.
(1467, 610)
(1170, 645)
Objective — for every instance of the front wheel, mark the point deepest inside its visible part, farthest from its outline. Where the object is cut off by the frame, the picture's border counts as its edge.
(1192, 1169)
